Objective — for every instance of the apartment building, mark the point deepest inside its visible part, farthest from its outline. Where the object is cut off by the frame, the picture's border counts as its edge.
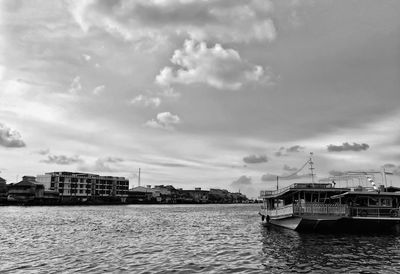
(83, 186)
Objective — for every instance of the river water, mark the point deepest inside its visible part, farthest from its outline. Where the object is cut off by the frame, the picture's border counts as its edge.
(178, 239)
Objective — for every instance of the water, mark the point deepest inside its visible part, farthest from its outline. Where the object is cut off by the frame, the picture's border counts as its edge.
(179, 239)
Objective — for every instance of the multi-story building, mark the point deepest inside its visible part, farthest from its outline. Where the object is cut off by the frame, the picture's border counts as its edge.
(197, 195)
(83, 186)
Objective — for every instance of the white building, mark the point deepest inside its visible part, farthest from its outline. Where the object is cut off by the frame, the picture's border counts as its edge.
(84, 185)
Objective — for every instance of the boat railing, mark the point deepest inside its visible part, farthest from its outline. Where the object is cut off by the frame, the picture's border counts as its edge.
(280, 211)
(264, 193)
(384, 212)
(320, 209)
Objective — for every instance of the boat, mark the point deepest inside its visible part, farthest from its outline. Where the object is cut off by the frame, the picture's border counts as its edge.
(324, 207)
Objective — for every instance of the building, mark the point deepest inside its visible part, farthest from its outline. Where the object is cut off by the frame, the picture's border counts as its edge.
(195, 196)
(219, 195)
(85, 186)
(3, 191)
(25, 191)
(141, 194)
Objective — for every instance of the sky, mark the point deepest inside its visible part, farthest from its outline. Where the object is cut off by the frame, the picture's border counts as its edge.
(199, 93)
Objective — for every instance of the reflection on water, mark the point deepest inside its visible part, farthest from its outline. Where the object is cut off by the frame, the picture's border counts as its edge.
(179, 239)
(287, 250)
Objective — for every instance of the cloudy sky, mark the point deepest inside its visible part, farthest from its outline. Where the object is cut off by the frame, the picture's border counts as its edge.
(199, 93)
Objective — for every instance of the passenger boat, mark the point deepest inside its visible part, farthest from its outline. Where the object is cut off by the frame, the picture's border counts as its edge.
(323, 206)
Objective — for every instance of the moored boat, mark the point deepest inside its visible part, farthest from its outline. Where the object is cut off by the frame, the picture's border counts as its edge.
(323, 206)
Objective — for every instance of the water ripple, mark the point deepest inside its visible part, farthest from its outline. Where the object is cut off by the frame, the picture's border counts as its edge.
(178, 239)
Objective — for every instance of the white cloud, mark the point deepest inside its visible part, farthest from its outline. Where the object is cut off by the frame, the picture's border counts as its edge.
(87, 57)
(99, 89)
(107, 164)
(62, 159)
(169, 92)
(218, 67)
(10, 137)
(76, 85)
(143, 21)
(143, 100)
(164, 120)
(2, 72)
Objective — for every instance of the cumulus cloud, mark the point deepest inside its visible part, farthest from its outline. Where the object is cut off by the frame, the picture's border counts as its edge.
(286, 151)
(99, 89)
(268, 177)
(242, 181)
(218, 67)
(62, 160)
(164, 120)
(255, 159)
(348, 147)
(106, 164)
(10, 137)
(146, 22)
(76, 85)
(143, 100)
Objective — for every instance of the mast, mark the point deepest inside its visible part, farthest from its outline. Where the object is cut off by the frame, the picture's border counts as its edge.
(139, 178)
(311, 167)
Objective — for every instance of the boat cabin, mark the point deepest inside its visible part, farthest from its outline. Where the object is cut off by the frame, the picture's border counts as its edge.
(363, 203)
(303, 198)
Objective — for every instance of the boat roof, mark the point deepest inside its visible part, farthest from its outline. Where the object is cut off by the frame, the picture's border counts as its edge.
(309, 187)
(366, 193)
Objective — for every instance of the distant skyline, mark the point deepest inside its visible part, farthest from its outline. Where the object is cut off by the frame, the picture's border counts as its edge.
(224, 94)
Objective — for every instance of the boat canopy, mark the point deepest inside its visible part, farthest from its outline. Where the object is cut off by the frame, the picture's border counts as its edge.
(309, 187)
(366, 193)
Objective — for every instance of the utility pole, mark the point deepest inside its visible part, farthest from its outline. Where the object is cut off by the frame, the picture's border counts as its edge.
(277, 182)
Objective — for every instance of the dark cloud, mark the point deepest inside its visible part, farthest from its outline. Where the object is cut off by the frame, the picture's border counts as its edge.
(43, 151)
(113, 160)
(242, 181)
(288, 168)
(255, 159)
(62, 160)
(10, 137)
(285, 151)
(268, 177)
(280, 152)
(285, 176)
(170, 164)
(296, 148)
(392, 168)
(337, 173)
(348, 147)
(389, 166)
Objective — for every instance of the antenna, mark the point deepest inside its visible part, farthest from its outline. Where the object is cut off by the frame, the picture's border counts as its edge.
(311, 167)
(139, 178)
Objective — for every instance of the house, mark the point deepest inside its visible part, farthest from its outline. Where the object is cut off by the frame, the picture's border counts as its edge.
(25, 191)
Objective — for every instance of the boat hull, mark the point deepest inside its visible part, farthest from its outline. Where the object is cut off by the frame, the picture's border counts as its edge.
(334, 224)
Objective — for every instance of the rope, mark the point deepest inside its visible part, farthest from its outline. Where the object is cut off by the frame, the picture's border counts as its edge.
(297, 171)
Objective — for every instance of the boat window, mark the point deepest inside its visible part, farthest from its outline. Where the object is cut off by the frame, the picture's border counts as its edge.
(386, 202)
(361, 201)
(373, 201)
